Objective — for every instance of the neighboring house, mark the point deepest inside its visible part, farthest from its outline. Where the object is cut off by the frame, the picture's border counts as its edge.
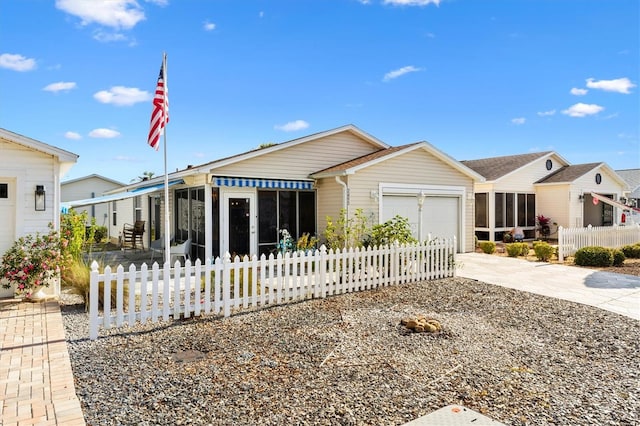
(632, 177)
(518, 188)
(111, 215)
(241, 204)
(30, 174)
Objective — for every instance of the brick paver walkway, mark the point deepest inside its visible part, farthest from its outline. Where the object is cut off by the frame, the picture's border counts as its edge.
(36, 380)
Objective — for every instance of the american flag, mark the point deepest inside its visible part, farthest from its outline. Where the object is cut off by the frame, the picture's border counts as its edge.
(160, 114)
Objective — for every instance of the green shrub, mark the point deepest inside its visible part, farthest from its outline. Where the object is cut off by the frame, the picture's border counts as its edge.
(544, 251)
(488, 247)
(632, 251)
(100, 234)
(394, 230)
(517, 249)
(618, 257)
(593, 256)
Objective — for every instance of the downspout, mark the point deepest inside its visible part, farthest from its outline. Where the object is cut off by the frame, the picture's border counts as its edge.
(345, 197)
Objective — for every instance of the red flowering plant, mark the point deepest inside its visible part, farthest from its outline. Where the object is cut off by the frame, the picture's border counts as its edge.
(543, 225)
(31, 262)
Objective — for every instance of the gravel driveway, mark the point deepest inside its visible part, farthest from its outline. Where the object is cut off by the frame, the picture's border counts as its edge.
(516, 357)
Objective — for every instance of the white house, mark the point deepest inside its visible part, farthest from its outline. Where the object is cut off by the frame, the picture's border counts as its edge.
(240, 204)
(30, 174)
(105, 214)
(520, 187)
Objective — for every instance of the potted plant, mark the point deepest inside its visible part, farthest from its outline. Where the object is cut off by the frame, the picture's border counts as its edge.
(543, 225)
(31, 264)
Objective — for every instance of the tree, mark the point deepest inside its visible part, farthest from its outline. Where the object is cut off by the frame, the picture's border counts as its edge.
(145, 176)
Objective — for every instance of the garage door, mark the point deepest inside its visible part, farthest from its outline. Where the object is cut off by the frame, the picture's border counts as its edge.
(7, 216)
(440, 215)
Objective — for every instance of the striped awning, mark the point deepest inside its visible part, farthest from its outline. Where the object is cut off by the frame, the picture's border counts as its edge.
(262, 183)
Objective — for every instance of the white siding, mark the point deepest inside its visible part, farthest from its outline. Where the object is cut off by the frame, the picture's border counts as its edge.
(522, 180)
(90, 187)
(298, 161)
(416, 167)
(553, 201)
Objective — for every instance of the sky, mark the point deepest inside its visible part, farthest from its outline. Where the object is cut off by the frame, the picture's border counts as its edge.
(475, 78)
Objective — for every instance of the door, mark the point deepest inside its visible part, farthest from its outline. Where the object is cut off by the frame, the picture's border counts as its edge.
(7, 216)
(240, 223)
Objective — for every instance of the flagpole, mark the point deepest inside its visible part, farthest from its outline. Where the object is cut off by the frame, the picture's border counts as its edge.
(167, 222)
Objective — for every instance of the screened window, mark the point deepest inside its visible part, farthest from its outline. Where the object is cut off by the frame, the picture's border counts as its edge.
(190, 221)
(4, 190)
(482, 210)
(499, 209)
(114, 213)
(294, 211)
(526, 210)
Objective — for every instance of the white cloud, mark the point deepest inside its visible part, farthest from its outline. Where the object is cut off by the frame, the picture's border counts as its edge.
(60, 86)
(619, 85)
(582, 110)
(261, 14)
(122, 96)
(209, 26)
(400, 72)
(518, 121)
(292, 126)
(412, 2)
(73, 135)
(113, 13)
(104, 133)
(107, 37)
(547, 113)
(579, 92)
(17, 62)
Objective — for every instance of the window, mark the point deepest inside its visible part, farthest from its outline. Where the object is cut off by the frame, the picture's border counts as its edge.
(549, 165)
(294, 211)
(137, 207)
(509, 210)
(4, 190)
(526, 210)
(114, 213)
(190, 223)
(482, 210)
(499, 209)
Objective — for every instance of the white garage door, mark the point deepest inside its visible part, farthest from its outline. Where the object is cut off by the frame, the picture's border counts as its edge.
(7, 218)
(440, 215)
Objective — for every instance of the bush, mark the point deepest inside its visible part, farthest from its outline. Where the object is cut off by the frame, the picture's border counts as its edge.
(544, 251)
(618, 257)
(394, 230)
(517, 249)
(594, 256)
(488, 247)
(632, 251)
(100, 234)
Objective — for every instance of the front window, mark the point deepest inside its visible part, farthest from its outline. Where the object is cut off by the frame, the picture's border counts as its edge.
(294, 211)
(482, 210)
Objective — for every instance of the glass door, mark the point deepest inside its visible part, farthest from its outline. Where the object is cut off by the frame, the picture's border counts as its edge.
(240, 226)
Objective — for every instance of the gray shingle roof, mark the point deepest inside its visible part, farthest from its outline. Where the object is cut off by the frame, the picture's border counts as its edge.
(632, 177)
(569, 173)
(496, 167)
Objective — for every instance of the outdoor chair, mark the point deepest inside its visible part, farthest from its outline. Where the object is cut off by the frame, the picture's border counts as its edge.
(182, 250)
(157, 246)
(132, 235)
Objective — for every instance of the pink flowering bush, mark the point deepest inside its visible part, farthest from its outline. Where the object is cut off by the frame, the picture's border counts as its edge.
(31, 262)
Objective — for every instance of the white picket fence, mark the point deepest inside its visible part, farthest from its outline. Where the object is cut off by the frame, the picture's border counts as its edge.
(224, 286)
(571, 240)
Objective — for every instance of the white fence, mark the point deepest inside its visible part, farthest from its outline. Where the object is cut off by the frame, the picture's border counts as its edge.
(571, 240)
(224, 285)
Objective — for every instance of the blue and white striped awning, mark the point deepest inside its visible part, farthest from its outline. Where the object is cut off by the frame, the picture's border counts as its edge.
(263, 183)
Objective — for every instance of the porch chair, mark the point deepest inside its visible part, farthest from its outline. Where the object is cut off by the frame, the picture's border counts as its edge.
(133, 234)
(157, 246)
(180, 250)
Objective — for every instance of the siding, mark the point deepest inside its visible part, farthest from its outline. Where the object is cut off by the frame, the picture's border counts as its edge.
(329, 202)
(31, 168)
(92, 186)
(522, 180)
(298, 161)
(553, 201)
(416, 167)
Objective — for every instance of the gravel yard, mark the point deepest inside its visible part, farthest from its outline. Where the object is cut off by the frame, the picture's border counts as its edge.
(516, 357)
